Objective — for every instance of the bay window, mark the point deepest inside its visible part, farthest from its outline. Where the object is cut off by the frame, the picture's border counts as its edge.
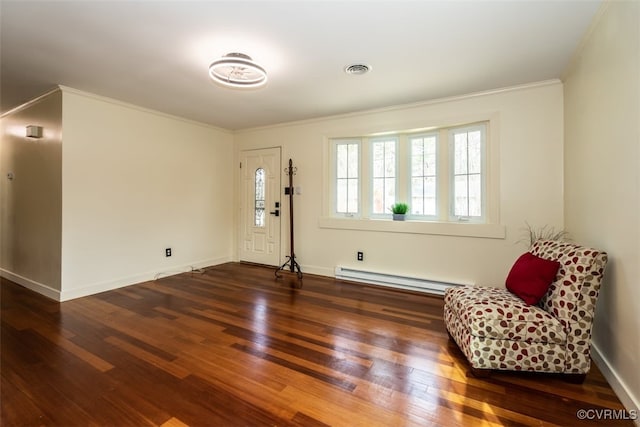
(441, 174)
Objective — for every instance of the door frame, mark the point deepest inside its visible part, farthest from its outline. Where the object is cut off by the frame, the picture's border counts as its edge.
(276, 196)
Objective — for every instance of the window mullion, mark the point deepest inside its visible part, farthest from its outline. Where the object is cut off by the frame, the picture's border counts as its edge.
(445, 178)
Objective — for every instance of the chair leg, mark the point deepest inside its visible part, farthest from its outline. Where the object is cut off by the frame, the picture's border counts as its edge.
(574, 378)
(480, 373)
(451, 343)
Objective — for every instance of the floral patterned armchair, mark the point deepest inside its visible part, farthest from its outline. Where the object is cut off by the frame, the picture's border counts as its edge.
(496, 330)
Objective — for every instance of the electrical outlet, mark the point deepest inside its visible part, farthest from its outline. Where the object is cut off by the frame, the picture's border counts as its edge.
(360, 256)
(167, 252)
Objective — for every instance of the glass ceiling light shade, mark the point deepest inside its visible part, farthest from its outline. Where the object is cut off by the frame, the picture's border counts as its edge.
(237, 70)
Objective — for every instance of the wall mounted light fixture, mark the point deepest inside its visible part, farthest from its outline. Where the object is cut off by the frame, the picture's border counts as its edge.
(34, 132)
(237, 70)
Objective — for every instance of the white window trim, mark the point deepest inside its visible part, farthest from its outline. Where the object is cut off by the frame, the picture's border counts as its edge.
(488, 231)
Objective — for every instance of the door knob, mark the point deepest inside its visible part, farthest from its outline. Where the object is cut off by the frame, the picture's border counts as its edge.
(276, 212)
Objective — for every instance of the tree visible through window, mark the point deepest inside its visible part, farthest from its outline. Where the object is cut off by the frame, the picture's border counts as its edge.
(423, 175)
(383, 175)
(467, 174)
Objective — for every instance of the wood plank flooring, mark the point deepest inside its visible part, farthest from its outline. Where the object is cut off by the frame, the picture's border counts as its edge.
(234, 347)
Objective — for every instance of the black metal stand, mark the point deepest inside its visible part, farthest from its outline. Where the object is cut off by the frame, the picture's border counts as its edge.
(291, 262)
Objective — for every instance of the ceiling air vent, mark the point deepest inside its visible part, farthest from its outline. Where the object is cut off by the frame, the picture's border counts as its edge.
(357, 69)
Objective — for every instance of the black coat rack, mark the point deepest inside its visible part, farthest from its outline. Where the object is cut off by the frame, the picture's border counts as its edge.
(291, 262)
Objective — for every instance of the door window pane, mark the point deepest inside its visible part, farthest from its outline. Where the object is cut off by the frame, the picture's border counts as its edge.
(259, 204)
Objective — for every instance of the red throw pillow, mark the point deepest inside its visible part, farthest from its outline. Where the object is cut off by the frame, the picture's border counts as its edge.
(531, 276)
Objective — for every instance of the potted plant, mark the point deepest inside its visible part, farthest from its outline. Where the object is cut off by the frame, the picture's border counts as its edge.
(399, 211)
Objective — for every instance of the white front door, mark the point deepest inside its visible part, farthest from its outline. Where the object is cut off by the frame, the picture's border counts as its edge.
(261, 208)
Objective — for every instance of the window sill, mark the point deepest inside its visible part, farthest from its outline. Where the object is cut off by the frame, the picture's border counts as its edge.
(487, 231)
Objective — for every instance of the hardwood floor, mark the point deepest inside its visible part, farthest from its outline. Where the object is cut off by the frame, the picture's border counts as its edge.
(234, 347)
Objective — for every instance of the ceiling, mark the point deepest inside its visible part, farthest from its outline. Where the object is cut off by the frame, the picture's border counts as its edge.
(156, 54)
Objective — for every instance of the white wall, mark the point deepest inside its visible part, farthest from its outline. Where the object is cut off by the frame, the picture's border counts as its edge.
(602, 160)
(135, 182)
(530, 137)
(31, 204)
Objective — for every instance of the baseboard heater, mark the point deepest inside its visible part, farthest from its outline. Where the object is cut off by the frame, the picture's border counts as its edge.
(393, 280)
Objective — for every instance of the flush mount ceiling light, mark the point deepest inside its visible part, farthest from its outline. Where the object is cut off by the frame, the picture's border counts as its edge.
(357, 69)
(237, 70)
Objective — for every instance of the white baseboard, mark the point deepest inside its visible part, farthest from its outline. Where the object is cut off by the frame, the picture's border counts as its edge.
(109, 285)
(38, 287)
(96, 288)
(626, 396)
(320, 271)
(138, 278)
